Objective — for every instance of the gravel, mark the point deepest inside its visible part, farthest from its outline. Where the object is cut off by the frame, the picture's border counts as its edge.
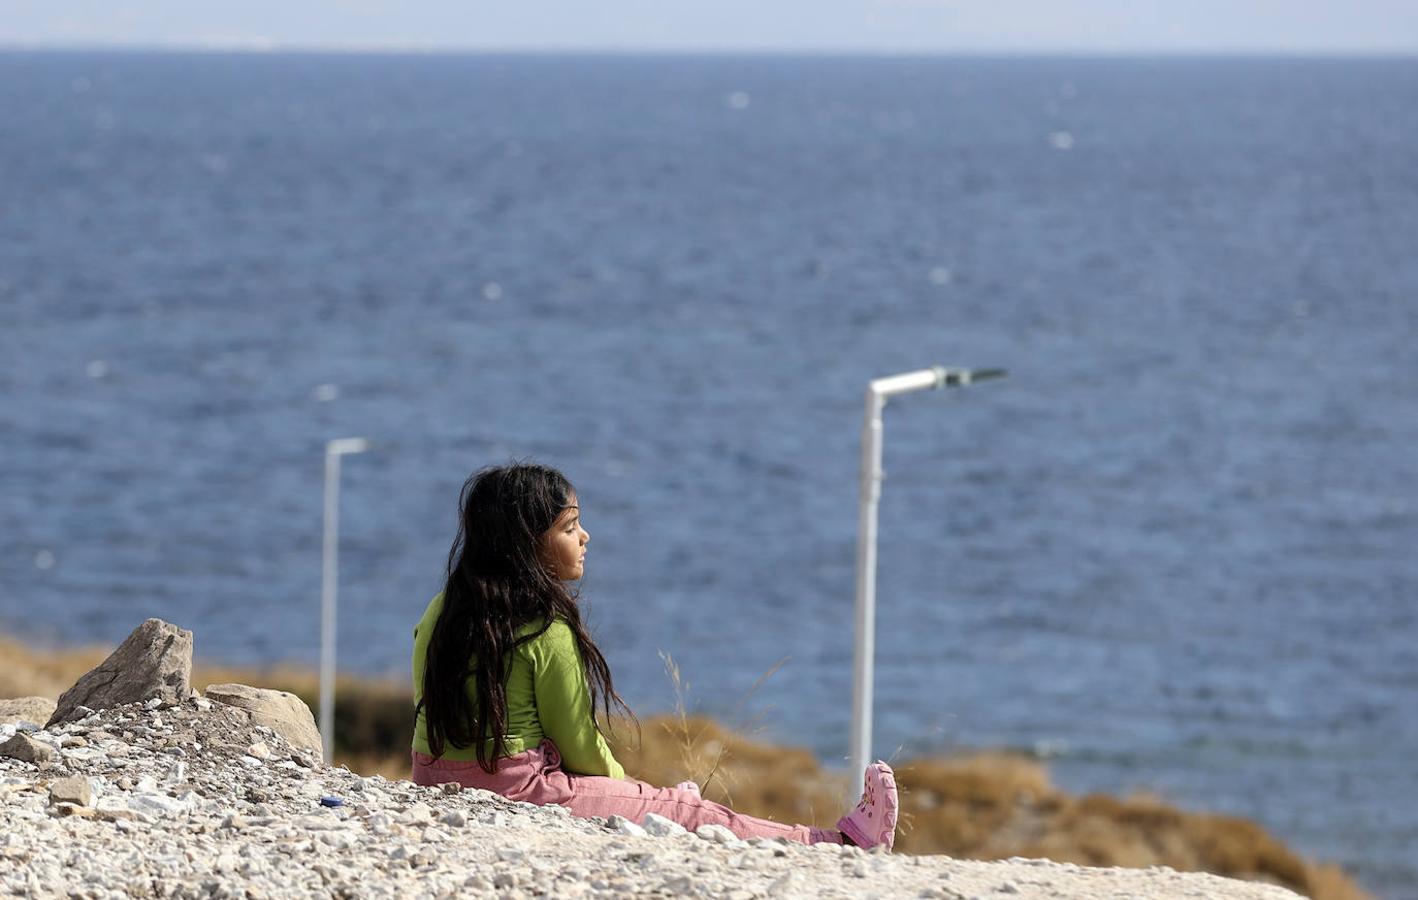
(193, 800)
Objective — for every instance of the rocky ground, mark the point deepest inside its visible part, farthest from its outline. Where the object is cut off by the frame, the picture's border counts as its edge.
(192, 798)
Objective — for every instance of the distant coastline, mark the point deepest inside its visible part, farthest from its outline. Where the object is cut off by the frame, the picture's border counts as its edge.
(270, 47)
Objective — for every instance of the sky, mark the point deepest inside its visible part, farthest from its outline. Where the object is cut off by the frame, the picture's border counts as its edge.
(875, 26)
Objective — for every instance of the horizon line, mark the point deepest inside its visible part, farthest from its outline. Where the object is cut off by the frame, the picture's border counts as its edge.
(256, 47)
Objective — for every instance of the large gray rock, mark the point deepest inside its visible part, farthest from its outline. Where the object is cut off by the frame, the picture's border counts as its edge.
(154, 661)
(281, 711)
(26, 709)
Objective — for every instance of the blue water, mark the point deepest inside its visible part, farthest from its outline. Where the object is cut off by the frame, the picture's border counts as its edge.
(1174, 550)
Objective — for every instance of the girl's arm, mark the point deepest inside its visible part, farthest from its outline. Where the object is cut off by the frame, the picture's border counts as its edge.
(564, 704)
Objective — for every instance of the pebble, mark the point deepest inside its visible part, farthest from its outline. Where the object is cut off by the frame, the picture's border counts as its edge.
(75, 790)
(717, 834)
(782, 886)
(679, 885)
(626, 827)
(25, 748)
(455, 818)
(659, 826)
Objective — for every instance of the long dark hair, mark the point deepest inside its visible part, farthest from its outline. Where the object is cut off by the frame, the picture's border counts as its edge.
(496, 584)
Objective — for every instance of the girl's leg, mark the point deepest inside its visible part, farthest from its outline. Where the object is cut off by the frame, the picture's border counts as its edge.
(595, 796)
(535, 776)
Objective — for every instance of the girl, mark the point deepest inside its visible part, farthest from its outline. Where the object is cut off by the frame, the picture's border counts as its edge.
(507, 681)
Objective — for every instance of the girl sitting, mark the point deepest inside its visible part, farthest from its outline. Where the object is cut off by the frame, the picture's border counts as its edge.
(507, 680)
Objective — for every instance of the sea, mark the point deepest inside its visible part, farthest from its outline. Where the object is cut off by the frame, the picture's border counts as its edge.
(1174, 550)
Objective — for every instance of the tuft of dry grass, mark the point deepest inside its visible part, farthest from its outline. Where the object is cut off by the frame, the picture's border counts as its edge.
(783, 783)
(689, 735)
(989, 805)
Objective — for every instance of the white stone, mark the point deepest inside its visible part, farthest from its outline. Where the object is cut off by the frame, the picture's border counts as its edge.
(625, 826)
(659, 826)
(154, 804)
(717, 834)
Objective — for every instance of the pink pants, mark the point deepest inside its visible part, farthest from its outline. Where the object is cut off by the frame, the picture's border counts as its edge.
(536, 776)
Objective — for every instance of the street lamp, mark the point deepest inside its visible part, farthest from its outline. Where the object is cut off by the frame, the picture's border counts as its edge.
(329, 585)
(878, 391)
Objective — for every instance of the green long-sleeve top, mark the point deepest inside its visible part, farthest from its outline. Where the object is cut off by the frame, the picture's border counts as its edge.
(547, 697)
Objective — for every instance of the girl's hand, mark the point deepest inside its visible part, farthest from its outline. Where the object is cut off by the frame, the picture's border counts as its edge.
(688, 786)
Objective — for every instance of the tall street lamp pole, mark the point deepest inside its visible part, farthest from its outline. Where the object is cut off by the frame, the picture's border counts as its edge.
(864, 654)
(329, 585)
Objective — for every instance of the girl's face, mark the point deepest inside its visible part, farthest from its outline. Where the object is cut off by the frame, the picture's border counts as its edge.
(562, 547)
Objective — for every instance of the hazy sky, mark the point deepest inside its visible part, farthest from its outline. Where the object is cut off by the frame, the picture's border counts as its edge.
(1343, 26)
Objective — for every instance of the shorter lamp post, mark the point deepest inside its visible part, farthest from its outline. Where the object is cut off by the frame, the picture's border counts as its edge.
(329, 585)
(864, 654)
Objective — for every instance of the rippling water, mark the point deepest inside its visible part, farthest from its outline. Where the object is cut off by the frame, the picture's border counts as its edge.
(1174, 550)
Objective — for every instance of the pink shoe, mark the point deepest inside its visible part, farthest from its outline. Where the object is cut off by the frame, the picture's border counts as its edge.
(873, 822)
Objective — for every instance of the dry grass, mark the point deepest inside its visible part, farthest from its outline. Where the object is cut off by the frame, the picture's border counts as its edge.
(985, 806)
